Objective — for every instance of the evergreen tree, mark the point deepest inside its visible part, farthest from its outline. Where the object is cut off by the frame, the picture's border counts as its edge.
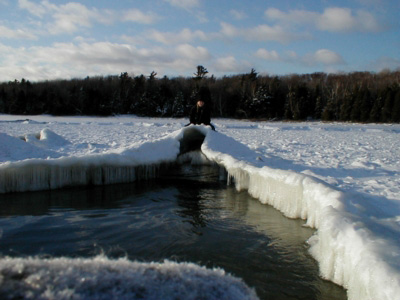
(318, 103)
(200, 73)
(396, 107)
(357, 96)
(375, 114)
(386, 113)
(328, 114)
(179, 105)
(355, 114)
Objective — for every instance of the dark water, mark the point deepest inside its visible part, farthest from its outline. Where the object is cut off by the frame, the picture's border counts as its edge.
(188, 216)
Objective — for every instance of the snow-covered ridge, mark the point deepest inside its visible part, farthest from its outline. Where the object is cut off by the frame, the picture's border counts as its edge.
(102, 278)
(126, 165)
(356, 242)
(354, 247)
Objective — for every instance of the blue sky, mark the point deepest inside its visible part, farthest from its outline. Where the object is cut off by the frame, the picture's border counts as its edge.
(44, 40)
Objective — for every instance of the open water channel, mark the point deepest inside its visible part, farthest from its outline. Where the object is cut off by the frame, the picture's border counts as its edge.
(190, 215)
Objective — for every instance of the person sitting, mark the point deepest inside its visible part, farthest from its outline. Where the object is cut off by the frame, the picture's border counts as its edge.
(201, 114)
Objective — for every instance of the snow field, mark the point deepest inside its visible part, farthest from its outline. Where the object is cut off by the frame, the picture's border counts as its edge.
(127, 165)
(342, 179)
(348, 251)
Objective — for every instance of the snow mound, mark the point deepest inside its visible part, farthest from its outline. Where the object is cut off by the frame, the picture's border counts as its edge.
(14, 148)
(102, 278)
(46, 139)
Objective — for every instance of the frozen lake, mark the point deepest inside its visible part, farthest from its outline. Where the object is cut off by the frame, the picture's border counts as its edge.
(342, 179)
(188, 216)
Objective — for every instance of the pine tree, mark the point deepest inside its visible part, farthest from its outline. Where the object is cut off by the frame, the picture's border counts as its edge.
(200, 73)
(386, 113)
(396, 107)
(179, 105)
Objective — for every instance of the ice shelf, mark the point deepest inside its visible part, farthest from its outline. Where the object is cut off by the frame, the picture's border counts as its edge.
(353, 248)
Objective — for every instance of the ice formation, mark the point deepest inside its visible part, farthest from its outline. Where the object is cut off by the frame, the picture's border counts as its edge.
(354, 247)
(126, 165)
(101, 278)
(349, 249)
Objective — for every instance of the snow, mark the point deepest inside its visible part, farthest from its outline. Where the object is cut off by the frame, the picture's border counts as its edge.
(343, 179)
(101, 278)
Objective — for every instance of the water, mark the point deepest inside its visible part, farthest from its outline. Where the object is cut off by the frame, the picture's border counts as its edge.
(190, 215)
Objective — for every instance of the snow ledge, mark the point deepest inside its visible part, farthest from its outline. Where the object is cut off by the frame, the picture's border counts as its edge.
(348, 246)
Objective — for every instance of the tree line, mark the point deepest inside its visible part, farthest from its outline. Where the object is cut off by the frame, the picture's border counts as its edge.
(355, 97)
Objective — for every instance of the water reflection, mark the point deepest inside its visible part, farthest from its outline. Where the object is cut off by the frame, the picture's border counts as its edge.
(189, 215)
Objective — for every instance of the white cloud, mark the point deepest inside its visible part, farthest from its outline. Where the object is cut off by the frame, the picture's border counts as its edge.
(33, 8)
(81, 59)
(8, 33)
(228, 30)
(367, 22)
(229, 64)
(64, 60)
(293, 17)
(72, 16)
(332, 19)
(267, 55)
(137, 16)
(385, 63)
(84, 58)
(328, 57)
(99, 53)
(336, 19)
(270, 33)
(261, 33)
(237, 15)
(185, 4)
(291, 55)
(190, 6)
(325, 57)
(170, 38)
(67, 18)
(193, 53)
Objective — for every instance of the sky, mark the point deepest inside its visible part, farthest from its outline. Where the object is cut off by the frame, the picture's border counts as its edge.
(46, 40)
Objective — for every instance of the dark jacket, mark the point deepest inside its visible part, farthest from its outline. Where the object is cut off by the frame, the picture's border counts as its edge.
(200, 115)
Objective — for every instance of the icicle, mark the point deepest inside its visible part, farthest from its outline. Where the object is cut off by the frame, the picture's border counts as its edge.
(35, 176)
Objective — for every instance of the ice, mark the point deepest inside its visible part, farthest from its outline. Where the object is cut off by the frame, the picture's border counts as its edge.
(343, 179)
(124, 165)
(353, 248)
(101, 278)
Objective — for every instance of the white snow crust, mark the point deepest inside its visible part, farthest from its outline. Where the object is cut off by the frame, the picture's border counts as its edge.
(343, 179)
(103, 279)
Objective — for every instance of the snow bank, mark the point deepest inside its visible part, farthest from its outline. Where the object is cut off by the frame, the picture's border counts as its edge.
(123, 165)
(13, 148)
(102, 278)
(46, 138)
(356, 243)
(349, 249)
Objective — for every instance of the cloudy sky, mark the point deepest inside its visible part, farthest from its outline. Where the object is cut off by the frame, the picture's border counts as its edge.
(42, 39)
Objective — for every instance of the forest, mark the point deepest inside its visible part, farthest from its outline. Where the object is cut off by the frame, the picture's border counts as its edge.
(354, 97)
